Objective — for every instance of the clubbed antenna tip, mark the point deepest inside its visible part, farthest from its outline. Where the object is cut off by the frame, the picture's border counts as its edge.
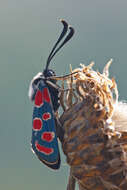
(63, 33)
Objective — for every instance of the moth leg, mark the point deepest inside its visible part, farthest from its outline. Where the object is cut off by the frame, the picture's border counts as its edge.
(71, 182)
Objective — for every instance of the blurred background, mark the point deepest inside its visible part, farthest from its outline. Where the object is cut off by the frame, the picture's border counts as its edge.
(28, 30)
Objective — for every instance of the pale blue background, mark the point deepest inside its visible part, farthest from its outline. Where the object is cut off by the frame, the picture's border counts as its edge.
(28, 30)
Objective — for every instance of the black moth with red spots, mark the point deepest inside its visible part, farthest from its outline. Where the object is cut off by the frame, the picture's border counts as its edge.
(44, 91)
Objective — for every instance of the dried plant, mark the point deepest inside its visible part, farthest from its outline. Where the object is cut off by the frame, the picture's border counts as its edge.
(95, 130)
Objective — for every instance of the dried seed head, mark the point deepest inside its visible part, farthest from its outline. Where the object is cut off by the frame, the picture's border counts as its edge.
(95, 125)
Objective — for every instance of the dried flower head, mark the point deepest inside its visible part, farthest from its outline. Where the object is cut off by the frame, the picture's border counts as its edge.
(95, 130)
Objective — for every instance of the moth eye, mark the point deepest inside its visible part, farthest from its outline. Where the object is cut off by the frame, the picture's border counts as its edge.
(49, 73)
(53, 73)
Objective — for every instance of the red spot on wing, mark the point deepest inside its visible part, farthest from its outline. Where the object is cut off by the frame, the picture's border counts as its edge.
(48, 136)
(46, 95)
(43, 149)
(46, 116)
(38, 99)
(37, 124)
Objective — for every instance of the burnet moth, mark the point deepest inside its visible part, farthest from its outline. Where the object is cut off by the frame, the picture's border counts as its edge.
(44, 92)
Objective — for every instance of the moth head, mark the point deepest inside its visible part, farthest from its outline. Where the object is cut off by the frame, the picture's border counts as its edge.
(49, 73)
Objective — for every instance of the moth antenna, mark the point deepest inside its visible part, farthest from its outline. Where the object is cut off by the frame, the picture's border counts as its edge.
(61, 77)
(64, 31)
(69, 36)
